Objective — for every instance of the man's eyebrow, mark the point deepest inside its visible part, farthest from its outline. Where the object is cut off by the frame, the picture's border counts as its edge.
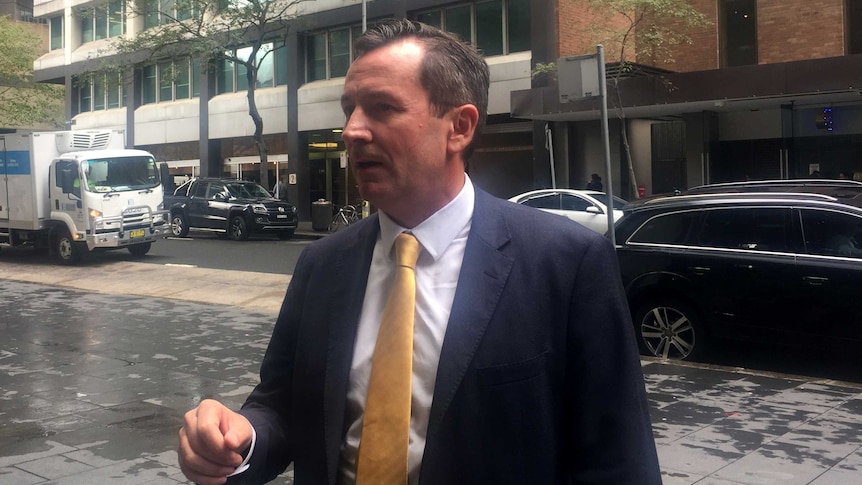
(368, 95)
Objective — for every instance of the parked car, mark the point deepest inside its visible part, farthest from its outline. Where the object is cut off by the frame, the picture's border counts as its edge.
(587, 207)
(234, 207)
(772, 267)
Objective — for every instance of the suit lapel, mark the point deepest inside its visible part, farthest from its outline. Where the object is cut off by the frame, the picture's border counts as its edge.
(353, 261)
(483, 275)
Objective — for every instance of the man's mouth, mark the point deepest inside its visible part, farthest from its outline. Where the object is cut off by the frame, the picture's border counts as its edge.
(363, 164)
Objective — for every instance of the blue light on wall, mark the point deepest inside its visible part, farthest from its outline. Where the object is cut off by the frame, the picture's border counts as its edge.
(824, 120)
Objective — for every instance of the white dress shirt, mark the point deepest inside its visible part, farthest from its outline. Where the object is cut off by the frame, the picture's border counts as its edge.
(443, 238)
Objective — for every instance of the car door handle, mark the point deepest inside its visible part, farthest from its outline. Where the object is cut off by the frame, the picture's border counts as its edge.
(815, 280)
(699, 270)
(743, 266)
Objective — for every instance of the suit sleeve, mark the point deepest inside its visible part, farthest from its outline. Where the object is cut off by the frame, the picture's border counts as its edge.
(269, 406)
(609, 424)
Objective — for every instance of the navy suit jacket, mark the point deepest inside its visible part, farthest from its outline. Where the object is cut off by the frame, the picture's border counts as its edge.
(539, 378)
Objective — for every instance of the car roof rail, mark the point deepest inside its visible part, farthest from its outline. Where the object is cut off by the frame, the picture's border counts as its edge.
(778, 183)
(738, 196)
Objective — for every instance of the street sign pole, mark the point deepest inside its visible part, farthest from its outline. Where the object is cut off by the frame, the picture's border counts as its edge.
(609, 190)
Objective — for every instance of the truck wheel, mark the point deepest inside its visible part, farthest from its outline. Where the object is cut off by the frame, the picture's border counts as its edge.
(179, 226)
(139, 250)
(66, 251)
(285, 235)
(237, 229)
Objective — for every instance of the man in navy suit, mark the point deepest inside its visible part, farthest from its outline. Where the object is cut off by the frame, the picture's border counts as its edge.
(525, 368)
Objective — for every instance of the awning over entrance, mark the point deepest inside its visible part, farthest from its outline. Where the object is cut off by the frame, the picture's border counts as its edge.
(818, 81)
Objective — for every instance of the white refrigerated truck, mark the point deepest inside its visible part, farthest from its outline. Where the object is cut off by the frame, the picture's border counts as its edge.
(79, 191)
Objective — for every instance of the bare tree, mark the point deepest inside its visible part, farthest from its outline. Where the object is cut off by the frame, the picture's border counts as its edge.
(240, 32)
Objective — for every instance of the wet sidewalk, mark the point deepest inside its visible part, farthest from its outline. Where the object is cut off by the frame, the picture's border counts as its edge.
(95, 376)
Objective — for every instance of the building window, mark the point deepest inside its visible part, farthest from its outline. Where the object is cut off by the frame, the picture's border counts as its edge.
(101, 92)
(518, 25)
(329, 54)
(279, 57)
(166, 81)
(739, 32)
(496, 27)
(854, 26)
(157, 12)
(56, 32)
(148, 84)
(271, 69)
(102, 22)
(170, 81)
(316, 57)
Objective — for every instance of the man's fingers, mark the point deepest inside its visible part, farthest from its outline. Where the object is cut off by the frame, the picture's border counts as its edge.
(205, 425)
(206, 456)
(197, 468)
(238, 436)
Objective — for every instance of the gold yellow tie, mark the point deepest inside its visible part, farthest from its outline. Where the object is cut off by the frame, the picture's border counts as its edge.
(386, 423)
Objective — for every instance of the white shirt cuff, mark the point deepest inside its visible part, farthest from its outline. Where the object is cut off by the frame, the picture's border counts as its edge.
(244, 465)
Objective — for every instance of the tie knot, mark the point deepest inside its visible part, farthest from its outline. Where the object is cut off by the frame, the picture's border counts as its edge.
(406, 250)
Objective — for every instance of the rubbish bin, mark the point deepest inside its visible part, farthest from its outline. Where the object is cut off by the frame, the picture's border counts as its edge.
(321, 214)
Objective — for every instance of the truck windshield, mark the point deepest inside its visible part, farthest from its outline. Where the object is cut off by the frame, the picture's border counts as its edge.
(119, 174)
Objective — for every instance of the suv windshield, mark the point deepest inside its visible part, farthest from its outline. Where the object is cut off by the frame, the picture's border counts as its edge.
(247, 191)
(120, 174)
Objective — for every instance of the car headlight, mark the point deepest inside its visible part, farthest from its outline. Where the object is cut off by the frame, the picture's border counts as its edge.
(259, 208)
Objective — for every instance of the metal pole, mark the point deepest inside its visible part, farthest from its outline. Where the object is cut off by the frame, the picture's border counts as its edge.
(603, 91)
(364, 16)
(549, 144)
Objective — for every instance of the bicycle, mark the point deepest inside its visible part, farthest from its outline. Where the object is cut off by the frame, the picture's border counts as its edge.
(343, 217)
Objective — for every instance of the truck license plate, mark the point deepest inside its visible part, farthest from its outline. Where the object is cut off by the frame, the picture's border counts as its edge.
(137, 233)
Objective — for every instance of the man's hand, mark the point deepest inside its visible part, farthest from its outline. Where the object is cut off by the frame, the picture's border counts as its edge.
(211, 442)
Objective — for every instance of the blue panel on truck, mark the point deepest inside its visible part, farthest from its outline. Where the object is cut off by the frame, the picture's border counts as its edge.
(15, 162)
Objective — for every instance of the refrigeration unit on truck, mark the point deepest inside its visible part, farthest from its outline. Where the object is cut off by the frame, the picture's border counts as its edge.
(79, 191)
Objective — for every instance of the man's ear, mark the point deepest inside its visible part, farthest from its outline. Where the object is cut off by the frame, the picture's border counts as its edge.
(464, 118)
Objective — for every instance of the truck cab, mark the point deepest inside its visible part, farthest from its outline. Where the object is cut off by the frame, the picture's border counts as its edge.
(107, 200)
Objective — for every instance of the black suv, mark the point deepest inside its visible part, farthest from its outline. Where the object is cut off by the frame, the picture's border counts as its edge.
(769, 266)
(234, 207)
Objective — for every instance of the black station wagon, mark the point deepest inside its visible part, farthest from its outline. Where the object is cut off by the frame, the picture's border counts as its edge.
(768, 266)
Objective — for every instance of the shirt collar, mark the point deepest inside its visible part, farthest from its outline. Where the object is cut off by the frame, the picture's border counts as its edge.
(437, 232)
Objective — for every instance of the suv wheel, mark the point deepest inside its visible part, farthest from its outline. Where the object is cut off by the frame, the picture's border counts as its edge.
(179, 226)
(670, 329)
(237, 229)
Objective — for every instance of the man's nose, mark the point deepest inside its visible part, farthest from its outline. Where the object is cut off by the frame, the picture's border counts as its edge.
(356, 128)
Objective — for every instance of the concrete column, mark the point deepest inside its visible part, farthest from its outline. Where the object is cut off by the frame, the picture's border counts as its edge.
(297, 145)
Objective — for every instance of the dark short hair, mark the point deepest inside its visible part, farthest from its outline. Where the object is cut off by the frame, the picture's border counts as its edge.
(453, 72)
